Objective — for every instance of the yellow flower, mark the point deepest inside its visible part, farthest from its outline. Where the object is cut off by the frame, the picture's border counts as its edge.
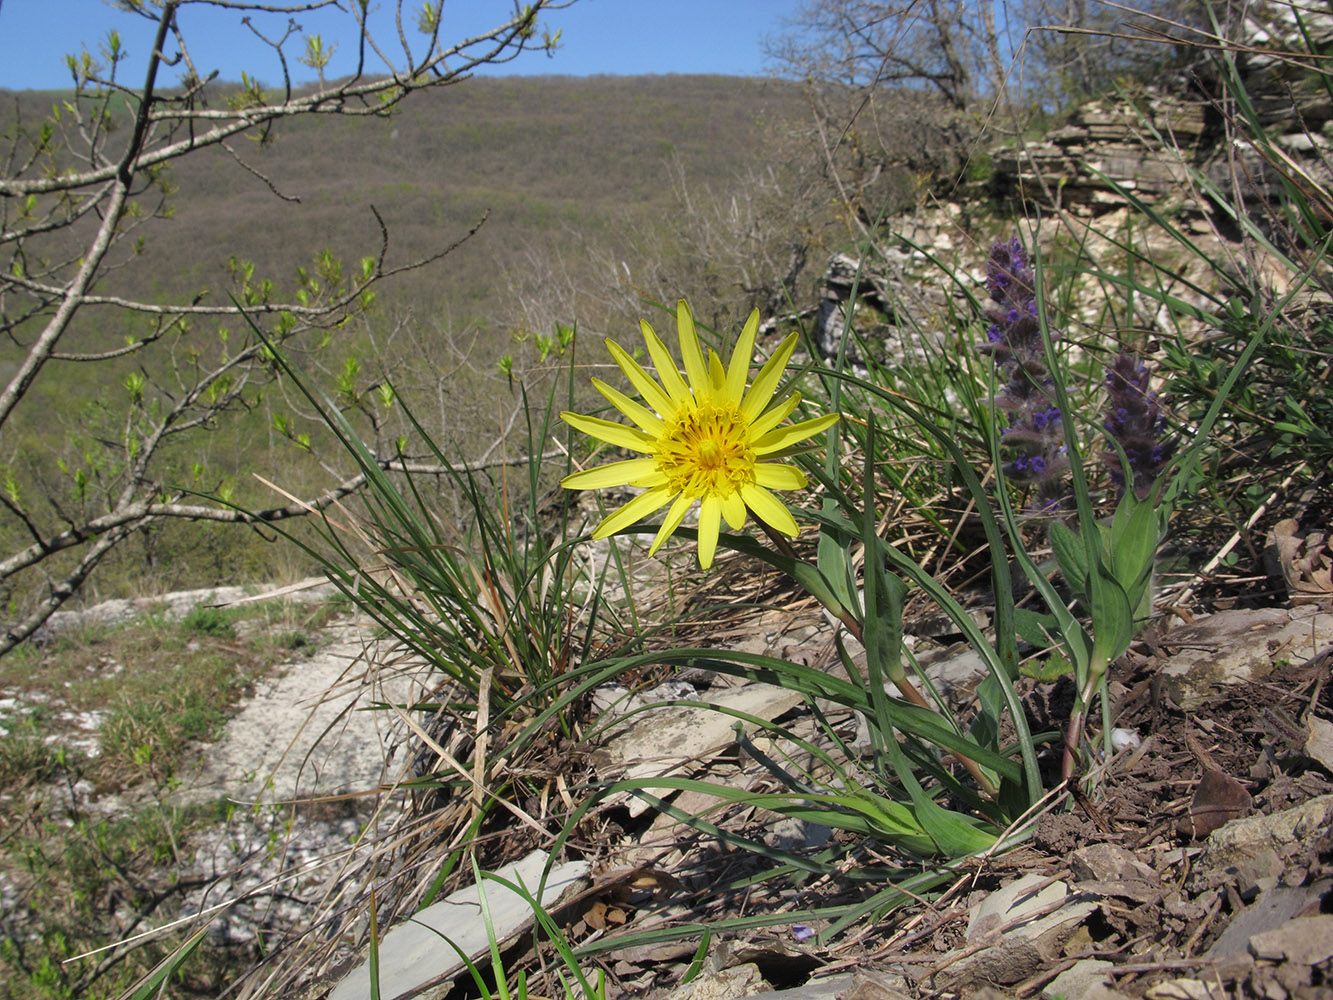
(704, 436)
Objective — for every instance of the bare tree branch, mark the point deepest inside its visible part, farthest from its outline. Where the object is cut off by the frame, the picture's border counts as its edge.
(136, 513)
(73, 205)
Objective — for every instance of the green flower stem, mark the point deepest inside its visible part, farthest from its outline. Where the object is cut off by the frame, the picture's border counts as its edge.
(1074, 735)
(908, 689)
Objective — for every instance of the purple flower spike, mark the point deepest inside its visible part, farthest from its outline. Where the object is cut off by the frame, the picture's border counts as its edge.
(1035, 436)
(1135, 419)
(1015, 333)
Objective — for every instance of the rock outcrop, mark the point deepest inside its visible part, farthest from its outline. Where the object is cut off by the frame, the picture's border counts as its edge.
(1183, 146)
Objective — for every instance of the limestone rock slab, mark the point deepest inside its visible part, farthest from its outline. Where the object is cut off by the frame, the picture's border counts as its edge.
(1304, 940)
(415, 955)
(1018, 929)
(1238, 646)
(671, 739)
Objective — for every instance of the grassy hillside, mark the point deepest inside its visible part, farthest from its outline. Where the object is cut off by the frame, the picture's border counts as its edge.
(578, 181)
(545, 157)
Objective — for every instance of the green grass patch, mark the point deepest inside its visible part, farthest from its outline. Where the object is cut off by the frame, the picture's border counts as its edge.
(154, 689)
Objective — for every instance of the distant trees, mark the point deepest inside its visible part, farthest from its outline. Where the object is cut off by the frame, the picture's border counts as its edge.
(911, 85)
(142, 379)
(898, 78)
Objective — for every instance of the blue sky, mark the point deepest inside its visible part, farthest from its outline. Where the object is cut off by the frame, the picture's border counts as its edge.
(599, 36)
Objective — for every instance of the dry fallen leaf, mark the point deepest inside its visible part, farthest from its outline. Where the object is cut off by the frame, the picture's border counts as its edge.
(1218, 799)
(598, 916)
(1305, 561)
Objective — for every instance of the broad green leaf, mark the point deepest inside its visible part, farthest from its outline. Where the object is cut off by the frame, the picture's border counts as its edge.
(833, 562)
(1134, 539)
(1072, 557)
(1036, 629)
(1057, 665)
(884, 596)
(1112, 618)
(884, 621)
(955, 834)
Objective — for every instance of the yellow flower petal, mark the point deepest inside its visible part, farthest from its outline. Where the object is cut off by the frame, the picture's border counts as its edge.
(666, 367)
(768, 509)
(710, 511)
(717, 376)
(611, 432)
(671, 522)
(611, 474)
(640, 414)
(690, 353)
(766, 382)
(785, 437)
(774, 415)
(733, 510)
(653, 394)
(779, 477)
(636, 510)
(738, 372)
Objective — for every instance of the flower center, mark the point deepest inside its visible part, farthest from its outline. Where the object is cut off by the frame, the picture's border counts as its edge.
(710, 454)
(706, 451)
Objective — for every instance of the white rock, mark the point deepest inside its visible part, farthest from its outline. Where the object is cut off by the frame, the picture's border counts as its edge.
(1123, 739)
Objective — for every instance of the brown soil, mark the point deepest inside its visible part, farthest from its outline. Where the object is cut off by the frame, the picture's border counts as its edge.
(1241, 753)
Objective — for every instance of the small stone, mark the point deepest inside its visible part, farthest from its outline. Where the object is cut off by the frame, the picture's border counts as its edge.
(1246, 850)
(1303, 940)
(1079, 979)
(1124, 739)
(1179, 989)
(829, 988)
(1319, 742)
(738, 981)
(1271, 911)
(1021, 936)
(1109, 862)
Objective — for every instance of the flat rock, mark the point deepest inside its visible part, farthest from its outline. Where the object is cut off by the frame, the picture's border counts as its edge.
(1303, 940)
(1111, 870)
(301, 734)
(848, 986)
(1010, 904)
(726, 984)
(1233, 647)
(1319, 742)
(1082, 979)
(672, 739)
(180, 603)
(1017, 930)
(1252, 848)
(1180, 989)
(415, 955)
(1271, 910)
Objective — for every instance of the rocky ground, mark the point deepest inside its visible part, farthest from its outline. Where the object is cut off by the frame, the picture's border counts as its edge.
(1201, 868)
(297, 766)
